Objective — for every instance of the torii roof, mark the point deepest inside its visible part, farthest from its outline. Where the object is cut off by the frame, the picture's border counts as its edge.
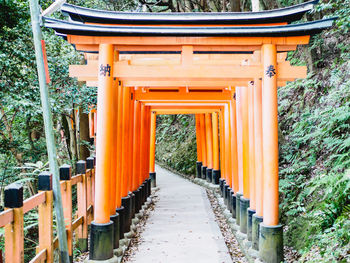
(288, 14)
(73, 28)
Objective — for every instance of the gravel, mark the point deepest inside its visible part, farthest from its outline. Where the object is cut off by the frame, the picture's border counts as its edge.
(230, 240)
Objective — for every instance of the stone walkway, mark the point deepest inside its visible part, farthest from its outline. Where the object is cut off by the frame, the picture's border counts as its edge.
(182, 227)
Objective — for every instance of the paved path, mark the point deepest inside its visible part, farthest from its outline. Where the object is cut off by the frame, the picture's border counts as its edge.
(182, 227)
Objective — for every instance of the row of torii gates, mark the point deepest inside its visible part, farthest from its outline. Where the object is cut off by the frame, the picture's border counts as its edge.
(224, 68)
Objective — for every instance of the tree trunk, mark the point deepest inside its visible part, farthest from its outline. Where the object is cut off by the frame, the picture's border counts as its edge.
(72, 138)
(235, 5)
(84, 136)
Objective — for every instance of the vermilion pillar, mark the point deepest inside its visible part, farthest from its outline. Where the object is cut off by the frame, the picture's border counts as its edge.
(199, 146)
(244, 200)
(239, 153)
(222, 152)
(271, 236)
(136, 145)
(204, 146)
(234, 160)
(234, 153)
(216, 159)
(152, 152)
(148, 135)
(258, 216)
(136, 156)
(130, 152)
(102, 227)
(125, 160)
(113, 168)
(143, 142)
(209, 137)
(227, 140)
(131, 139)
(119, 208)
(252, 203)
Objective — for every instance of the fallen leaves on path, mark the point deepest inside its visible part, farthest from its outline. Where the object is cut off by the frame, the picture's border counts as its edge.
(230, 240)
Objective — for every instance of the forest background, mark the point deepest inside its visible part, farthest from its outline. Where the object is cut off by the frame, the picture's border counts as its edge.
(314, 120)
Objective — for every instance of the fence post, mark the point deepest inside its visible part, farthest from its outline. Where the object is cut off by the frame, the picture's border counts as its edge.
(82, 230)
(14, 237)
(46, 216)
(66, 190)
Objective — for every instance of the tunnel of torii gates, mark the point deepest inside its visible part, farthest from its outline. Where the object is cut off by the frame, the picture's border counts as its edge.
(224, 68)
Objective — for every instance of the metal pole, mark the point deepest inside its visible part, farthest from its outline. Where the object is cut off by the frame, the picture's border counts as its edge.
(50, 140)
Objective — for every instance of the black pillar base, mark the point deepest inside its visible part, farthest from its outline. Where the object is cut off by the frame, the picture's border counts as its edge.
(149, 189)
(216, 176)
(199, 169)
(146, 189)
(238, 208)
(225, 193)
(115, 220)
(101, 241)
(133, 205)
(244, 204)
(121, 212)
(143, 193)
(251, 212)
(229, 199)
(222, 183)
(137, 194)
(271, 243)
(204, 172)
(126, 202)
(152, 176)
(209, 174)
(141, 200)
(233, 205)
(256, 230)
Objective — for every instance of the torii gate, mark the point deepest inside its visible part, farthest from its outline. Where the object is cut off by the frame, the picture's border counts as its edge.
(120, 110)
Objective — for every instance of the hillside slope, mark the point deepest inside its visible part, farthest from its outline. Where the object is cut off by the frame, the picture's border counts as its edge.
(314, 136)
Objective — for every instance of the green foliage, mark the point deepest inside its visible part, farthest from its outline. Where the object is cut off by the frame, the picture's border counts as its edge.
(315, 147)
(176, 142)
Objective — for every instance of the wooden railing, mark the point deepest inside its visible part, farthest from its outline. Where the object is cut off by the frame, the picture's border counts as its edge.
(15, 208)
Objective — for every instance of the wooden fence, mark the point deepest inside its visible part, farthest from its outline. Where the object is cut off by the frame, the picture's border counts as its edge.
(15, 208)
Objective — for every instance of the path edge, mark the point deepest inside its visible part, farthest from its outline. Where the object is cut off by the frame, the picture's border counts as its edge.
(244, 245)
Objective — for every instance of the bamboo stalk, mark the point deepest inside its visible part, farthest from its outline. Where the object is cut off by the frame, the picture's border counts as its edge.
(50, 140)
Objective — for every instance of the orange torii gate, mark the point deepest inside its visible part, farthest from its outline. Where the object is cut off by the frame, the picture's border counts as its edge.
(129, 88)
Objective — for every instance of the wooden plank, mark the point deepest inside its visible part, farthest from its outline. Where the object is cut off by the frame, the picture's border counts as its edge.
(90, 209)
(14, 237)
(6, 217)
(237, 42)
(125, 72)
(208, 48)
(40, 257)
(76, 179)
(177, 96)
(33, 202)
(67, 212)
(45, 223)
(184, 111)
(77, 222)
